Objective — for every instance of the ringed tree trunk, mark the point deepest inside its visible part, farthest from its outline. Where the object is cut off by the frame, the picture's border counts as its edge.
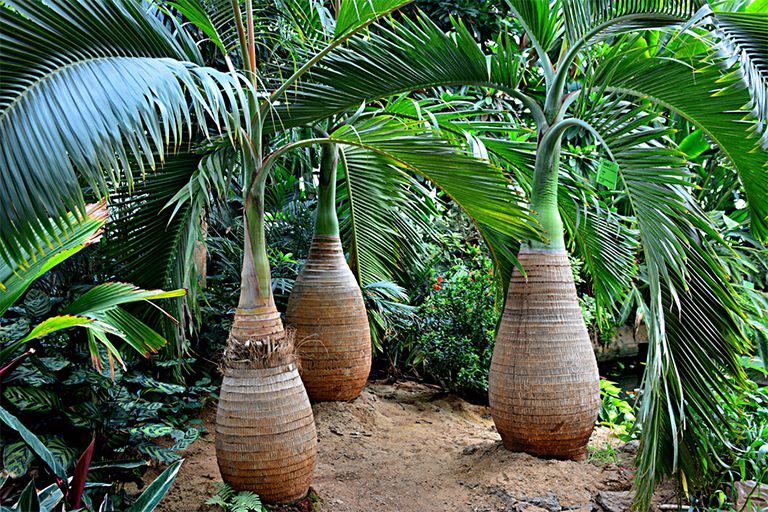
(543, 384)
(326, 306)
(265, 430)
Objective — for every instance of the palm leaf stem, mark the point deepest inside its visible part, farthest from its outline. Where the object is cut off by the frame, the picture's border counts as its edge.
(242, 37)
(354, 259)
(251, 35)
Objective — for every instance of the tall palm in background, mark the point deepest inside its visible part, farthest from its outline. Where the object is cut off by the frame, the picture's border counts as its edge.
(617, 95)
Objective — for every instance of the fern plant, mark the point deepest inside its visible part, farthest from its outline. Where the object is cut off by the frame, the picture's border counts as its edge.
(230, 501)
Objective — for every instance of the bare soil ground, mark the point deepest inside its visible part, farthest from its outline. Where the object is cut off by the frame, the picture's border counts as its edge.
(407, 447)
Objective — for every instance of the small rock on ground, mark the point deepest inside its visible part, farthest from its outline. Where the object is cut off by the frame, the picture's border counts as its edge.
(629, 448)
(514, 505)
(549, 503)
(615, 501)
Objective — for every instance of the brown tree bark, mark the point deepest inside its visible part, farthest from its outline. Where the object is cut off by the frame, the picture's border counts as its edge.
(333, 339)
(543, 386)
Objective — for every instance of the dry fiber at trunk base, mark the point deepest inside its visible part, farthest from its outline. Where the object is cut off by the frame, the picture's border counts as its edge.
(265, 431)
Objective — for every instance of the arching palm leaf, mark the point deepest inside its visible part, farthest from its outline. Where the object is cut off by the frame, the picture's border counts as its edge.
(62, 111)
(697, 90)
(380, 210)
(745, 37)
(152, 245)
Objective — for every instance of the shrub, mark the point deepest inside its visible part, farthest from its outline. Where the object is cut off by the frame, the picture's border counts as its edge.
(458, 321)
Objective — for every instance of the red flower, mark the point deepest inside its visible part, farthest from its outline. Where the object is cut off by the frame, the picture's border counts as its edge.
(439, 279)
(437, 287)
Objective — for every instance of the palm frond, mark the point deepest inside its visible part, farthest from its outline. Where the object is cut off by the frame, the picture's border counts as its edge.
(62, 112)
(150, 239)
(381, 215)
(698, 90)
(604, 241)
(215, 18)
(396, 58)
(693, 367)
(477, 187)
(15, 280)
(542, 22)
(584, 17)
(744, 36)
(691, 307)
(356, 13)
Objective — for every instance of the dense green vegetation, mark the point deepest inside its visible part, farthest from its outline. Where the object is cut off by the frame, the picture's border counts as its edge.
(438, 188)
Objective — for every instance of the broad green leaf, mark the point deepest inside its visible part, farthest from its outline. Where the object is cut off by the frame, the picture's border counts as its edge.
(50, 497)
(152, 430)
(694, 144)
(15, 279)
(33, 441)
(156, 490)
(151, 384)
(28, 500)
(157, 452)
(63, 453)
(16, 458)
(147, 410)
(14, 331)
(85, 415)
(190, 436)
(37, 303)
(32, 399)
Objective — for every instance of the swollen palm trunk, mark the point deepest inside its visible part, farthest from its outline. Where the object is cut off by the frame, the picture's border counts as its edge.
(332, 335)
(265, 431)
(543, 386)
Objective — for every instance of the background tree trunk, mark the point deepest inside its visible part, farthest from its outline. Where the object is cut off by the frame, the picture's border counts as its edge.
(543, 385)
(333, 339)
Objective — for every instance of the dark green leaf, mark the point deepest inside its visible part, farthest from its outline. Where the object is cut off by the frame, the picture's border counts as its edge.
(16, 458)
(33, 442)
(156, 490)
(32, 399)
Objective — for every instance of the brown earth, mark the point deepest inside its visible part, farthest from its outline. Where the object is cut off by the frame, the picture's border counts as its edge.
(408, 447)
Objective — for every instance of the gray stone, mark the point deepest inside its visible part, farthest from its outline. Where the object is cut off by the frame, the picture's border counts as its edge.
(514, 505)
(629, 448)
(615, 501)
(547, 502)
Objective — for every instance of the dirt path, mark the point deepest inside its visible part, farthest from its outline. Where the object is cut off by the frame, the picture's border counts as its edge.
(406, 447)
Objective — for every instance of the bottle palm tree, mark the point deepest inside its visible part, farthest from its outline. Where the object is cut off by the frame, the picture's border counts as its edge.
(64, 118)
(611, 76)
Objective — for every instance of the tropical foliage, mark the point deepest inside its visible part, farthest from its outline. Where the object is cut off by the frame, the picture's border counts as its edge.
(610, 104)
(673, 92)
